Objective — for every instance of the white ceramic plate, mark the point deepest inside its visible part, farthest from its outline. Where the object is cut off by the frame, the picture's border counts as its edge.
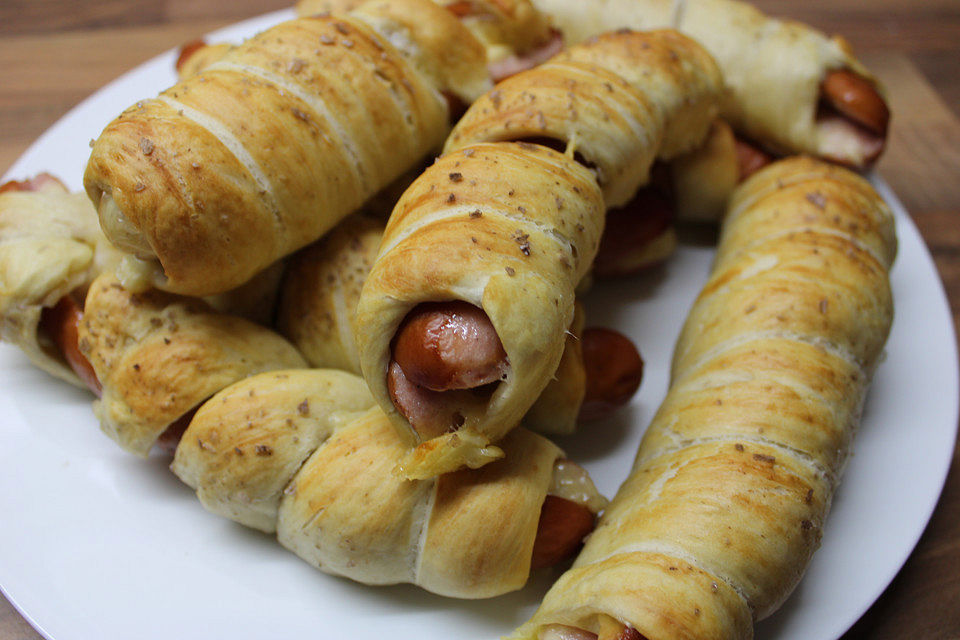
(96, 543)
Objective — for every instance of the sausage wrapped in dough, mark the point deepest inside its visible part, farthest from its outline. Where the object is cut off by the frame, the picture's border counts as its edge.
(463, 318)
(158, 356)
(269, 147)
(733, 479)
(508, 230)
(792, 88)
(306, 455)
(51, 249)
(514, 33)
(317, 313)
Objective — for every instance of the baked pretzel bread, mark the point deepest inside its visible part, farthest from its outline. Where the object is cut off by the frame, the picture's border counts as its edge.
(515, 34)
(269, 147)
(158, 356)
(321, 289)
(305, 454)
(197, 55)
(509, 229)
(317, 313)
(483, 252)
(792, 89)
(51, 249)
(734, 477)
(619, 102)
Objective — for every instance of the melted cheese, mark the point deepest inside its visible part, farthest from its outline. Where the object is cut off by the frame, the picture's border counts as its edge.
(571, 482)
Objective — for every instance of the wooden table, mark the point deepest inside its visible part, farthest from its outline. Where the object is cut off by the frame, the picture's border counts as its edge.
(55, 53)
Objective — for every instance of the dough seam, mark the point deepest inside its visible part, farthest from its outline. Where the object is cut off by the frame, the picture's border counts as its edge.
(672, 552)
(236, 148)
(314, 102)
(425, 513)
(801, 457)
(756, 336)
(465, 211)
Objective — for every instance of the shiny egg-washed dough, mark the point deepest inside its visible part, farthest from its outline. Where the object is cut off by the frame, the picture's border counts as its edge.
(270, 146)
(159, 355)
(620, 101)
(773, 68)
(51, 246)
(734, 477)
(510, 228)
(306, 455)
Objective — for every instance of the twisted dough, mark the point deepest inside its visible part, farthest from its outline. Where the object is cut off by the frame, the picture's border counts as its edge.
(159, 355)
(773, 68)
(305, 454)
(512, 228)
(734, 477)
(619, 102)
(507, 28)
(266, 149)
(317, 313)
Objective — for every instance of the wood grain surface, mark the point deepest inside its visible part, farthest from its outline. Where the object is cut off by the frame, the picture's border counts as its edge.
(55, 53)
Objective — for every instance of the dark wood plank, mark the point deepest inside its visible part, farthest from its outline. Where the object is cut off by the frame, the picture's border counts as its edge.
(49, 16)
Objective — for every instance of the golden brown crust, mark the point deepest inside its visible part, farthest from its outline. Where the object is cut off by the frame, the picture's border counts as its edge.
(158, 356)
(824, 197)
(434, 41)
(620, 101)
(328, 517)
(734, 476)
(244, 445)
(505, 27)
(321, 289)
(470, 549)
(467, 535)
(616, 103)
(510, 228)
(317, 313)
(187, 180)
(297, 452)
(197, 56)
(773, 68)
(805, 252)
